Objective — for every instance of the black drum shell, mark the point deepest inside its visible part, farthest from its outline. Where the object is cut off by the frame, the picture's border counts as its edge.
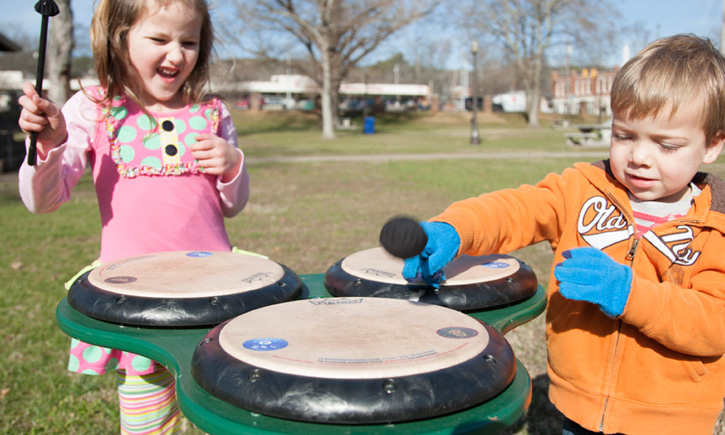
(178, 312)
(354, 401)
(496, 293)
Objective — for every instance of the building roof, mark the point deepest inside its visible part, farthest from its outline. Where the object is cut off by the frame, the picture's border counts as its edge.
(6, 44)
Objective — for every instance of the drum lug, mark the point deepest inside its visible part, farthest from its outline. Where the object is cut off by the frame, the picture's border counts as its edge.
(255, 375)
(389, 386)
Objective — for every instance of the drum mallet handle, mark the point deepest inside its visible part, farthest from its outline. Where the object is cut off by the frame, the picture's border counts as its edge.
(403, 237)
(46, 8)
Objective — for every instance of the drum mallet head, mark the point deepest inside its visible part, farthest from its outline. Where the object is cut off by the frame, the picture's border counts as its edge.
(403, 237)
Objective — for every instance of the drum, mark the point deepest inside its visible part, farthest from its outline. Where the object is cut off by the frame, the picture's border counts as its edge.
(353, 361)
(179, 289)
(472, 283)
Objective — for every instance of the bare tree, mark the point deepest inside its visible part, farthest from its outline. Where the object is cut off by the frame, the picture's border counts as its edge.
(60, 50)
(528, 28)
(336, 35)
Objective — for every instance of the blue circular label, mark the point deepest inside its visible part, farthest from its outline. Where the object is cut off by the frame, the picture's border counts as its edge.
(265, 344)
(199, 254)
(496, 265)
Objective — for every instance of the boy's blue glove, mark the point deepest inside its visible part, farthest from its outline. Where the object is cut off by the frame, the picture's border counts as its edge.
(590, 275)
(442, 247)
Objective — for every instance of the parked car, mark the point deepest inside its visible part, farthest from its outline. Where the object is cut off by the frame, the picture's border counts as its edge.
(277, 103)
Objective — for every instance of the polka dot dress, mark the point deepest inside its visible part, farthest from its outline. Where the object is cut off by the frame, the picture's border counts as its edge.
(144, 145)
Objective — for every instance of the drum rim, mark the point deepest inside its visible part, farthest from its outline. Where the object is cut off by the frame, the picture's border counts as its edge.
(459, 392)
(96, 303)
(522, 285)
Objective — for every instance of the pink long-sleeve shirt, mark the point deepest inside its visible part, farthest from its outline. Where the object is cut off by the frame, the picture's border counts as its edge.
(141, 214)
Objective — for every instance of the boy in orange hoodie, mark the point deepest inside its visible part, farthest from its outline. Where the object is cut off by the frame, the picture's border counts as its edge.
(635, 322)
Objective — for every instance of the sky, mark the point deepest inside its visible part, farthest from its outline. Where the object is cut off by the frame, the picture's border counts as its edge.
(658, 18)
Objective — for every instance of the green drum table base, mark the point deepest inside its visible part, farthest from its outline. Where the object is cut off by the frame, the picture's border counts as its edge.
(174, 348)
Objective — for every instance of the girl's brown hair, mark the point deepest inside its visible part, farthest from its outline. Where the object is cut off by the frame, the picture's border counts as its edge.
(671, 72)
(109, 31)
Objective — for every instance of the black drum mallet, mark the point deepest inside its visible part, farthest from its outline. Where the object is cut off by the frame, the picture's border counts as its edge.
(46, 8)
(403, 237)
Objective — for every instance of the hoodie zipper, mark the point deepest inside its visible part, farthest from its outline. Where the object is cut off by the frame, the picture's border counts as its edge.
(630, 257)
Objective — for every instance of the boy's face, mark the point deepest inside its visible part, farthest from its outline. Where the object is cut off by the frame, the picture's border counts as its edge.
(656, 157)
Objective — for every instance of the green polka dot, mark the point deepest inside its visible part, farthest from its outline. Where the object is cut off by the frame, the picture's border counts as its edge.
(197, 123)
(180, 126)
(208, 113)
(119, 113)
(73, 363)
(195, 108)
(152, 141)
(89, 372)
(92, 354)
(182, 149)
(140, 363)
(154, 162)
(144, 123)
(127, 153)
(190, 139)
(126, 134)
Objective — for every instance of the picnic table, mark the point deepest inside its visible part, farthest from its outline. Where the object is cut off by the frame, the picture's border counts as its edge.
(590, 135)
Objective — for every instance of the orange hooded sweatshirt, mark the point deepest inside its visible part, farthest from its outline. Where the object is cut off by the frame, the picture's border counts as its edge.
(659, 368)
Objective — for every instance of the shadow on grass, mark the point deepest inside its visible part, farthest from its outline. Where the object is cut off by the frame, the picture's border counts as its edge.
(542, 417)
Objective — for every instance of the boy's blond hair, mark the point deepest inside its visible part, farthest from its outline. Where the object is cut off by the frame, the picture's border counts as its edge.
(111, 22)
(671, 72)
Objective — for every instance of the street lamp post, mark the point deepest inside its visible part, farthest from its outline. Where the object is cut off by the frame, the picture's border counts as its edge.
(475, 137)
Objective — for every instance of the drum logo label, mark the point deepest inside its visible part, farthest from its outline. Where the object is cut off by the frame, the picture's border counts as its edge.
(199, 254)
(265, 344)
(336, 301)
(377, 272)
(496, 265)
(120, 280)
(256, 277)
(457, 332)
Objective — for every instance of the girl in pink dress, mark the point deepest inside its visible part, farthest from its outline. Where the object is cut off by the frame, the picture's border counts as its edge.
(164, 161)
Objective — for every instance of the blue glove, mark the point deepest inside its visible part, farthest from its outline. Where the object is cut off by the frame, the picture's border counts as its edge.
(442, 247)
(588, 274)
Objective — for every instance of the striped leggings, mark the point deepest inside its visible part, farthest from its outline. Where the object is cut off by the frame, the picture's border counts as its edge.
(148, 403)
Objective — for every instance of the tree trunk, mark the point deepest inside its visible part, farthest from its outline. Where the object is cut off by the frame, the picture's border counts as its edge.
(59, 53)
(328, 131)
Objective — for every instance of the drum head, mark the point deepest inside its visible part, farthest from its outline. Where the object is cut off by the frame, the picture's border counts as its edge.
(354, 361)
(472, 283)
(173, 289)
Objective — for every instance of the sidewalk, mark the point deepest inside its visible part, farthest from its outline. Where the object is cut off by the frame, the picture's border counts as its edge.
(438, 156)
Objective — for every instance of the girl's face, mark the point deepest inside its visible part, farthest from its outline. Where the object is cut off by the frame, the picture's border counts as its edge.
(163, 47)
(656, 157)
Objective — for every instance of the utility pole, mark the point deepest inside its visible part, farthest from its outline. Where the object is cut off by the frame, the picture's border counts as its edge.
(475, 137)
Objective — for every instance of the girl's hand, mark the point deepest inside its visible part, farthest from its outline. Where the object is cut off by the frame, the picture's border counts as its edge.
(217, 156)
(42, 116)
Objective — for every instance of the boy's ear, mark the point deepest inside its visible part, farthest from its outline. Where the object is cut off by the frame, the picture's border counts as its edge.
(714, 148)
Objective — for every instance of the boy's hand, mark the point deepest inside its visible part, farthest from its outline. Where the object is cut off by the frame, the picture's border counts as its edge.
(217, 156)
(41, 116)
(442, 247)
(588, 274)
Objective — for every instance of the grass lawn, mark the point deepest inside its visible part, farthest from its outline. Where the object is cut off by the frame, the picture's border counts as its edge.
(304, 215)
